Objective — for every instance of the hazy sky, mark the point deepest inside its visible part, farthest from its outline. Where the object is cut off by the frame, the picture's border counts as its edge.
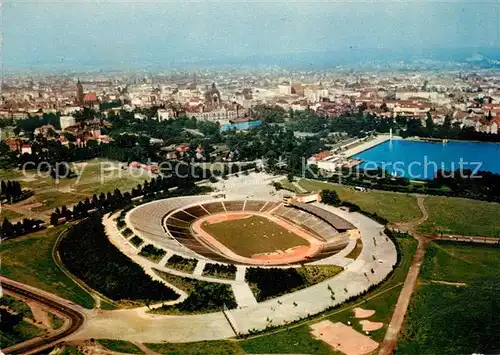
(52, 32)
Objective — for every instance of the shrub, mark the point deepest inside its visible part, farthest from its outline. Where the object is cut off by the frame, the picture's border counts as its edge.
(220, 271)
(152, 253)
(136, 241)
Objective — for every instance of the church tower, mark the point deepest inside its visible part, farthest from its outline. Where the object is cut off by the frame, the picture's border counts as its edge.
(79, 93)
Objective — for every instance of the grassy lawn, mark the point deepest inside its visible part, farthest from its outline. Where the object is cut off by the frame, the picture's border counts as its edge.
(461, 216)
(28, 259)
(455, 319)
(353, 254)
(288, 185)
(120, 346)
(198, 348)
(55, 321)
(93, 177)
(455, 262)
(10, 215)
(394, 207)
(253, 235)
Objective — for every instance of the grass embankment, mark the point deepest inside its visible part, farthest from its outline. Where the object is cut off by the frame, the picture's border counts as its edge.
(253, 235)
(395, 207)
(28, 259)
(453, 215)
(120, 346)
(455, 318)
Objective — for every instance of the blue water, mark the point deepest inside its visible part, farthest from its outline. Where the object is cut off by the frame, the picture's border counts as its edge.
(421, 160)
(240, 126)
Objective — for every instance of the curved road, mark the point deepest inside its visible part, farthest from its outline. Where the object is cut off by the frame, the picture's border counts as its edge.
(67, 309)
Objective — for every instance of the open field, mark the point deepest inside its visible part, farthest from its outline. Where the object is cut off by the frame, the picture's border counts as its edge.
(452, 215)
(253, 235)
(10, 215)
(120, 346)
(455, 307)
(94, 176)
(28, 259)
(394, 207)
(198, 348)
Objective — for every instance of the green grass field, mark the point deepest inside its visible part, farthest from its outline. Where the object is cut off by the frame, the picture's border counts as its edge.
(461, 216)
(10, 215)
(455, 319)
(94, 176)
(120, 346)
(253, 235)
(28, 259)
(394, 207)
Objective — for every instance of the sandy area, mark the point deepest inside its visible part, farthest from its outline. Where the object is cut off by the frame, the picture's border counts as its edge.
(363, 313)
(369, 326)
(343, 338)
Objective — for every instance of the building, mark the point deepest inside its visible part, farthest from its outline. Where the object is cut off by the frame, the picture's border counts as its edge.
(79, 93)
(67, 121)
(212, 98)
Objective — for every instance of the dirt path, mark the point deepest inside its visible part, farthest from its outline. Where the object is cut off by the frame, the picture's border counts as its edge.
(391, 336)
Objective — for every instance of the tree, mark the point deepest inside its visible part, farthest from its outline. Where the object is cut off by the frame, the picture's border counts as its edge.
(330, 197)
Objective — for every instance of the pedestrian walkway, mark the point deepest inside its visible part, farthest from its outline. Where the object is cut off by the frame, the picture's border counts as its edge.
(243, 295)
(200, 266)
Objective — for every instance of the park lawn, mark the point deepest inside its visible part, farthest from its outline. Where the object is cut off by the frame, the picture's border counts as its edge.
(10, 174)
(288, 185)
(395, 207)
(93, 178)
(453, 215)
(120, 346)
(455, 319)
(53, 199)
(458, 262)
(10, 215)
(253, 235)
(55, 321)
(221, 347)
(28, 259)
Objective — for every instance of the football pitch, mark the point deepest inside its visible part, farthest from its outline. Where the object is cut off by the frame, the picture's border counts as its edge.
(253, 235)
